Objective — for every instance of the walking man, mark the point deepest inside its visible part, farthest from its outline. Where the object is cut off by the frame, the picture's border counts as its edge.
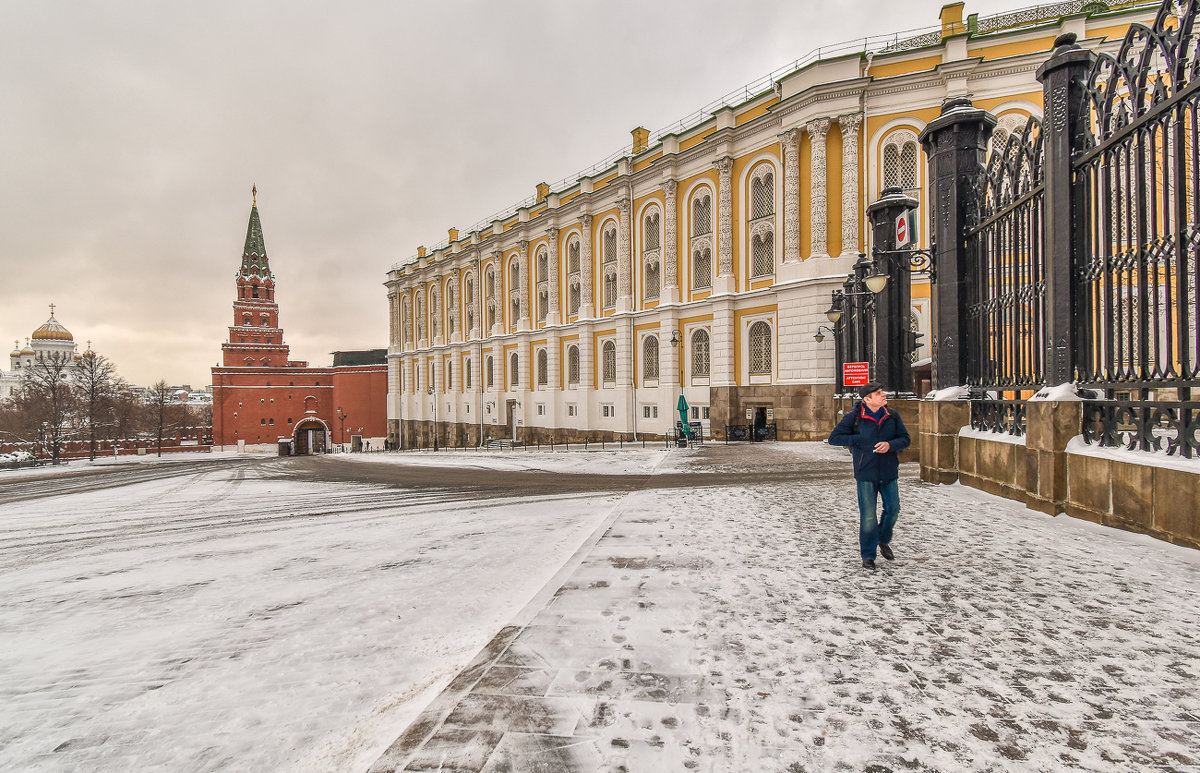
(875, 436)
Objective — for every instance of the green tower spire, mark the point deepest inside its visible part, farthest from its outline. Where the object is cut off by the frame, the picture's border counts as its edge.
(254, 255)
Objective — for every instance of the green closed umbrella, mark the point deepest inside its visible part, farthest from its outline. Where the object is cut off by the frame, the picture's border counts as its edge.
(683, 417)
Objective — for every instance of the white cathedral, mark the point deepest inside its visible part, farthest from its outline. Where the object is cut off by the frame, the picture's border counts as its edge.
(47, 341)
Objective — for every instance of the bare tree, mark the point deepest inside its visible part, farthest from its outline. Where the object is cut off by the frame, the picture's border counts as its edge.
(96, 384)
(160, 393)
(46, 398)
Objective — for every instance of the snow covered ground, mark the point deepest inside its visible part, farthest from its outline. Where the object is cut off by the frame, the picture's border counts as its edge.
(228, 618)
(683, 610)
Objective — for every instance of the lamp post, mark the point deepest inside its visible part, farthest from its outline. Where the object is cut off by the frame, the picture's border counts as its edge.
(342, 442)
(435, 424)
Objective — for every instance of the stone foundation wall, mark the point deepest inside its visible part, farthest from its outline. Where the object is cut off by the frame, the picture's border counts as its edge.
(802, 411)
(1039, 471)
(419, 434)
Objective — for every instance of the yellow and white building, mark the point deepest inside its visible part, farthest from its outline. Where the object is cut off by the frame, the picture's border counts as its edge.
(701, 260)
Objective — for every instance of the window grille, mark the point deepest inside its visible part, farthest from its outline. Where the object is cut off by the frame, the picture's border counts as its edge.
(573, 257)
(651, 284)
(543, 368)
(760, 348)
(763, 254)
(573, 299)
(610, 289)
(420, 317)
(543, 266)
(514, 277)
(434, 327)
(449, 375)
(891, 166)
(467, 373)
(610, 245)
(407, 323)
(573, 365)
(908, 166)
(490, 369)
(451, 311)
(653, 237)
(469, 292)
(610, 361)
(513, 371)
(516, 313)
(701, 215)
(491, 283)
(762, 195)
(543, 305)
(702, 268)
(650, 357)
(700, 353)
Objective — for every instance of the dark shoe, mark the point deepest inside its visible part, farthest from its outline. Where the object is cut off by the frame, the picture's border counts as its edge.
(868, 563)
(886, 552)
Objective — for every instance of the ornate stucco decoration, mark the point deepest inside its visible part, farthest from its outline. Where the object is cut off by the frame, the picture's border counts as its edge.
(725, 215)
(623, 255)
(791, 195)
(850, 204)
(818, 218)
(670, 235)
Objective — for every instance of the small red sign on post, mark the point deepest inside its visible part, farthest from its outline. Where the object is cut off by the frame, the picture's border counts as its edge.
(855, 373)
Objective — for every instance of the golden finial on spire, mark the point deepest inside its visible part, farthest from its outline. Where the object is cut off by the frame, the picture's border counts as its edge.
(254, 195)
(52, 309)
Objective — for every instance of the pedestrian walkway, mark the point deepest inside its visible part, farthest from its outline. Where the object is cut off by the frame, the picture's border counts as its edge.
(732, 628)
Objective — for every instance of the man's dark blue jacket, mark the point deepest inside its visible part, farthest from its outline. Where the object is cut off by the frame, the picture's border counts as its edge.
(869, 465)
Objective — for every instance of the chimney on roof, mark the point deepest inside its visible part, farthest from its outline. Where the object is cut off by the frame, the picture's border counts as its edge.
(952, 20)
(420, 252)
(543, 190)
(641, 139)
(453, 232)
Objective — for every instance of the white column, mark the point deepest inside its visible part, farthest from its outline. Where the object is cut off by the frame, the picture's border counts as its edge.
(670, 252)
(724, 282)
(791, 196)
(850, 203)
(818, 218)
(553, 316)
(722, 343)
(624, 258)
(587, 307)
(523, 282)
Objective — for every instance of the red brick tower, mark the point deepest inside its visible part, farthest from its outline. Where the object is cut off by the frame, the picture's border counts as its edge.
(255, 338)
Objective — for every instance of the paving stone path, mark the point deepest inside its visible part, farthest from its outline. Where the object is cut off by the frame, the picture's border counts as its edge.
(731, 628)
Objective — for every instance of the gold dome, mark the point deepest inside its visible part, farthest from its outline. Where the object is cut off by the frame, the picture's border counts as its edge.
(52, 330)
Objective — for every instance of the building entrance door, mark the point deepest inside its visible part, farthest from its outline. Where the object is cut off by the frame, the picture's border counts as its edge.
(310, 438)
(510, 409)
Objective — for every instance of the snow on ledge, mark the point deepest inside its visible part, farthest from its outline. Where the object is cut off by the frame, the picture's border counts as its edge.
(1146, 458)
(982, 434)
(949, 393)
(1063, 393)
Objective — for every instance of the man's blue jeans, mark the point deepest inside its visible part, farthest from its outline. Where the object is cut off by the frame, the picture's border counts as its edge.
(872, 531)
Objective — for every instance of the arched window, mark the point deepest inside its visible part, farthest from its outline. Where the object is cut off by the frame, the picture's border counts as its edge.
(542, 260)
(433, 375)
(543, 368)
(406, 322)
(420, 315)
(449, 375)
(700, 353)
(702, 213)
(467, 373)
(543, 303)
(762, 221)
(434, 317)
(514, 294)
(573, 279)
(513, 371)
(650, 358)
(900, 159)
(543, 265)
(609, 265)
(451, 310)
(609, 361)
(490, 296)
(760, 348)
(489, 366)
(573, 365)
(652, 243)
(701, 245)
(469, 302)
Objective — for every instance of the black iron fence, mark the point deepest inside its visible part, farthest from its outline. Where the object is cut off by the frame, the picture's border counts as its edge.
(1069, 252)
(1001, 416)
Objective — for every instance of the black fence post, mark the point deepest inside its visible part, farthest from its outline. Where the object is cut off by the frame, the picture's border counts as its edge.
(1064, 128)
(956, 145)
(893, 305)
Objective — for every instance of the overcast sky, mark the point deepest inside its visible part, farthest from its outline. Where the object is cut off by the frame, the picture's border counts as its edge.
(131, 133)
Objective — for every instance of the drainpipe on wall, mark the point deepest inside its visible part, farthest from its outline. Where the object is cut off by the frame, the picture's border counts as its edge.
(479, 319)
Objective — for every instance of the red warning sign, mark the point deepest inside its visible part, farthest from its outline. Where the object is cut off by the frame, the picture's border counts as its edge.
(855, 373)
